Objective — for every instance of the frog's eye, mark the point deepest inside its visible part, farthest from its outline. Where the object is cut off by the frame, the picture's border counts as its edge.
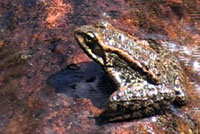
(90, 37)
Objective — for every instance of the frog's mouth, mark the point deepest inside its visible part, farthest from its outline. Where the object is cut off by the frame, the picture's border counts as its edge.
(91, 47)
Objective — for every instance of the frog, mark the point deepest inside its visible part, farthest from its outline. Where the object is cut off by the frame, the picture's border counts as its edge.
(147, 77)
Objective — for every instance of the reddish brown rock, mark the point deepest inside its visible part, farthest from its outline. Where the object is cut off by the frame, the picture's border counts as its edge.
(41, 93)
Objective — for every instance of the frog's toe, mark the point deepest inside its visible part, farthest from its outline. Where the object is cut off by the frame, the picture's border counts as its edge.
(182, 98)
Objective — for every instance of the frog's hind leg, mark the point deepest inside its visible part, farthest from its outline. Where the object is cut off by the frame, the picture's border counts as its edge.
(141, 99)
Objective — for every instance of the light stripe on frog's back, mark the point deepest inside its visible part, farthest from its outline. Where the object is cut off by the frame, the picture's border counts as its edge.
(129, 45)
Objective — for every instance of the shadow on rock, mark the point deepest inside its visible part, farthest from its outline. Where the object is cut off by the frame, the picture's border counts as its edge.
(84, 80)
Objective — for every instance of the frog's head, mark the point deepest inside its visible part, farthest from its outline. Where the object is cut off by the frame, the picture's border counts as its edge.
(89, 38)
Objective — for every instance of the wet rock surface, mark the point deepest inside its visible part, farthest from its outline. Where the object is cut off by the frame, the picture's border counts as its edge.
(47, 83)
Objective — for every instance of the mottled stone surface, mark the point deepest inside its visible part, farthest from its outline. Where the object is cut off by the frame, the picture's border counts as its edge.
(48, 85)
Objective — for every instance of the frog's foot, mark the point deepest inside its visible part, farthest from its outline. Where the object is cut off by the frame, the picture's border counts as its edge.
(142, 99)
(181, 98)
(181, 93)
(127, 114)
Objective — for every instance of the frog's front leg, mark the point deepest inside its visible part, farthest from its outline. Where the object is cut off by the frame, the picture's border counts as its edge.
(140, 99)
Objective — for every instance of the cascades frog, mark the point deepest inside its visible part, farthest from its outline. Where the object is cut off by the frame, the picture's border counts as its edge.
(147, 77)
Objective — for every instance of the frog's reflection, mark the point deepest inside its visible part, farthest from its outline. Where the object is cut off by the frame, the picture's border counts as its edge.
(84, 80)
